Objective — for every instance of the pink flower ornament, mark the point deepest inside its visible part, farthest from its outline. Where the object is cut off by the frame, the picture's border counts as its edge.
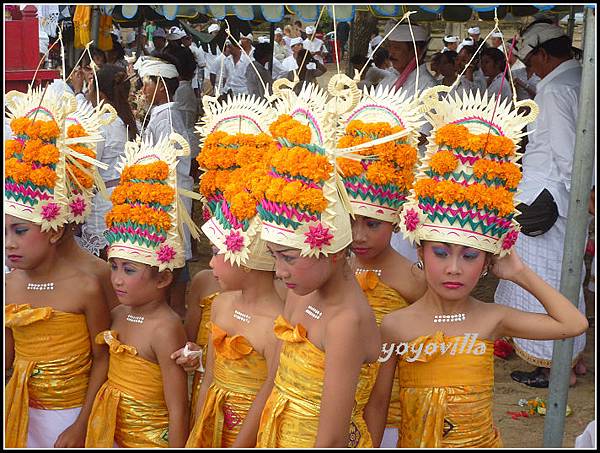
(234, 242)
(206, 214)
(318, 236)
(411, 220)
(166, 254)
(510, 239)
(50, 212)
(78, 206)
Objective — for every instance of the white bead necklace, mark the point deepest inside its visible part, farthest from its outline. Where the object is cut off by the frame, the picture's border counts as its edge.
(360, 270)
(135, 319)
(313, 312)
(241, 316)
(40, 286)
(455, 317)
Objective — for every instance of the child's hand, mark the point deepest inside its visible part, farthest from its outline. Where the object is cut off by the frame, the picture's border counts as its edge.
(510, 267)
(188, 357)
(73, 436)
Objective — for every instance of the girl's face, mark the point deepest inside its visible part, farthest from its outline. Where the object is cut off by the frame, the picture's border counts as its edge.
(302, 275)
(25, 245)
(370, 237)
(134, 283)
(228, 276)
(452, 271)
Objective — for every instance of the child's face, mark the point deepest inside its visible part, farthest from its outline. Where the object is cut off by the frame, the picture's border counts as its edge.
(302, 275)
(134, 283)
(451, 270)
(25, 245)
(229, 276)
(370, 237)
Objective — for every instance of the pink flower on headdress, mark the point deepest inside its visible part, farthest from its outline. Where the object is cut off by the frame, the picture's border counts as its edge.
(78, 206)
(411, 220)
(318, 236)
(234, 242)
(166, 253)
(50, 211)
(206, 214)
(510, 239)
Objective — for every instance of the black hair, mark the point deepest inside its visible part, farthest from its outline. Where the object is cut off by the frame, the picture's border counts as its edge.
(449, 56)
(380, 56)
(172, 83)
(359, 60)
(558, 47)
(496, 55)
(186, 63)
(116, 53)
(114, 83)
(262, 51)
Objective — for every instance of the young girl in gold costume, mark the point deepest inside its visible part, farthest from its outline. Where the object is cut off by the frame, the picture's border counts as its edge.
(240, 340)
(144, 402)
(461, 212)
(329, 335)
(377, 187)
(53, 310)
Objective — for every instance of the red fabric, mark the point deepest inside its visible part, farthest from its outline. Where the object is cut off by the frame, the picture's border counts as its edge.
(502, 348)
(401, 80)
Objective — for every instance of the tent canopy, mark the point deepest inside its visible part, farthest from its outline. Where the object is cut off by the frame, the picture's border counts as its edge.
(310, 13)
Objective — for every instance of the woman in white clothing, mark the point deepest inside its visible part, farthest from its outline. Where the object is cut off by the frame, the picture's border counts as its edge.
(113, 88)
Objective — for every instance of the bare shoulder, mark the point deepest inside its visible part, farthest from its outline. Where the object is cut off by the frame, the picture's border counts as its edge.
(167, 326)
(84, 283)
(203, 284)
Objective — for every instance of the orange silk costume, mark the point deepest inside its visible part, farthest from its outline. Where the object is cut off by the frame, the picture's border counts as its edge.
(383, 300)
(239, 372)
(129, 408)
(446, 393)
(51, 367)
(202, 341)
(290, 418)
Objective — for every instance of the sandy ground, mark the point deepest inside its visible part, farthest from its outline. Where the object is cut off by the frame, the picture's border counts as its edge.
(522, 432)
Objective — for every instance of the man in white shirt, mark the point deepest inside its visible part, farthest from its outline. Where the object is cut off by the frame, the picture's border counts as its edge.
(496, 40)
(220, 68)
(236, 76)
(280, 49)
(547, 165)
(314, 45)
(158, 43)
(450, 43)
(246, 43)
(475, 35)
(200, 58)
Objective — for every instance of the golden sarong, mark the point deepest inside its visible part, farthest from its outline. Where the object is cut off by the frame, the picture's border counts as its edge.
(239, 372)
(446, 393)
(51, 367)
(290, 418)
(202, 341)
(129, 407)
(384, 300)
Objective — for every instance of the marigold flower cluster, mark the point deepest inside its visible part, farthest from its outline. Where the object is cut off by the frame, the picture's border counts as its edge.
(458, 136)
(156, 171)
(296, 194)
(299, 161)
(222, 150)
(506, 171)
(45, 130)
(143, 192)
(443, 162)
(394, 161)
(140, 214)
(477, 195)
(244, 189)
(83, 178)
(292, 130)
(21, 172)
(76, 130)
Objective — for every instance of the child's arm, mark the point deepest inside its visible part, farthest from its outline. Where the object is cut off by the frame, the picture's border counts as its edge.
(249, 430)
(203, 284)
(379, 401)
(563, 320)
(344, 357)
(97, 318)
(175, 387)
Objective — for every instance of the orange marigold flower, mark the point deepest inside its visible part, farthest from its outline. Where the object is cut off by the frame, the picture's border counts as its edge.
(449, 192)
(208, 183)
(425, 187)
(452, 135)
(12, 147)
(16, 170)
(142, 215)
(156, 171)
(33, 130)
(76, 130)
(406, 155)
(349, 167)
(49, 130)
(298, 161)
(48, 154)
(443, 162)
(31, 150)
(380, 173)
(43, 176)
(82, 178)
(19, 125)
(143, 192)
(243, 206)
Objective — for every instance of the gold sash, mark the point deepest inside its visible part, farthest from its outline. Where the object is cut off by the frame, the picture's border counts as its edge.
(239, 372)
(51, 367)
(446, 393)
(130, 407)
(290, 418)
